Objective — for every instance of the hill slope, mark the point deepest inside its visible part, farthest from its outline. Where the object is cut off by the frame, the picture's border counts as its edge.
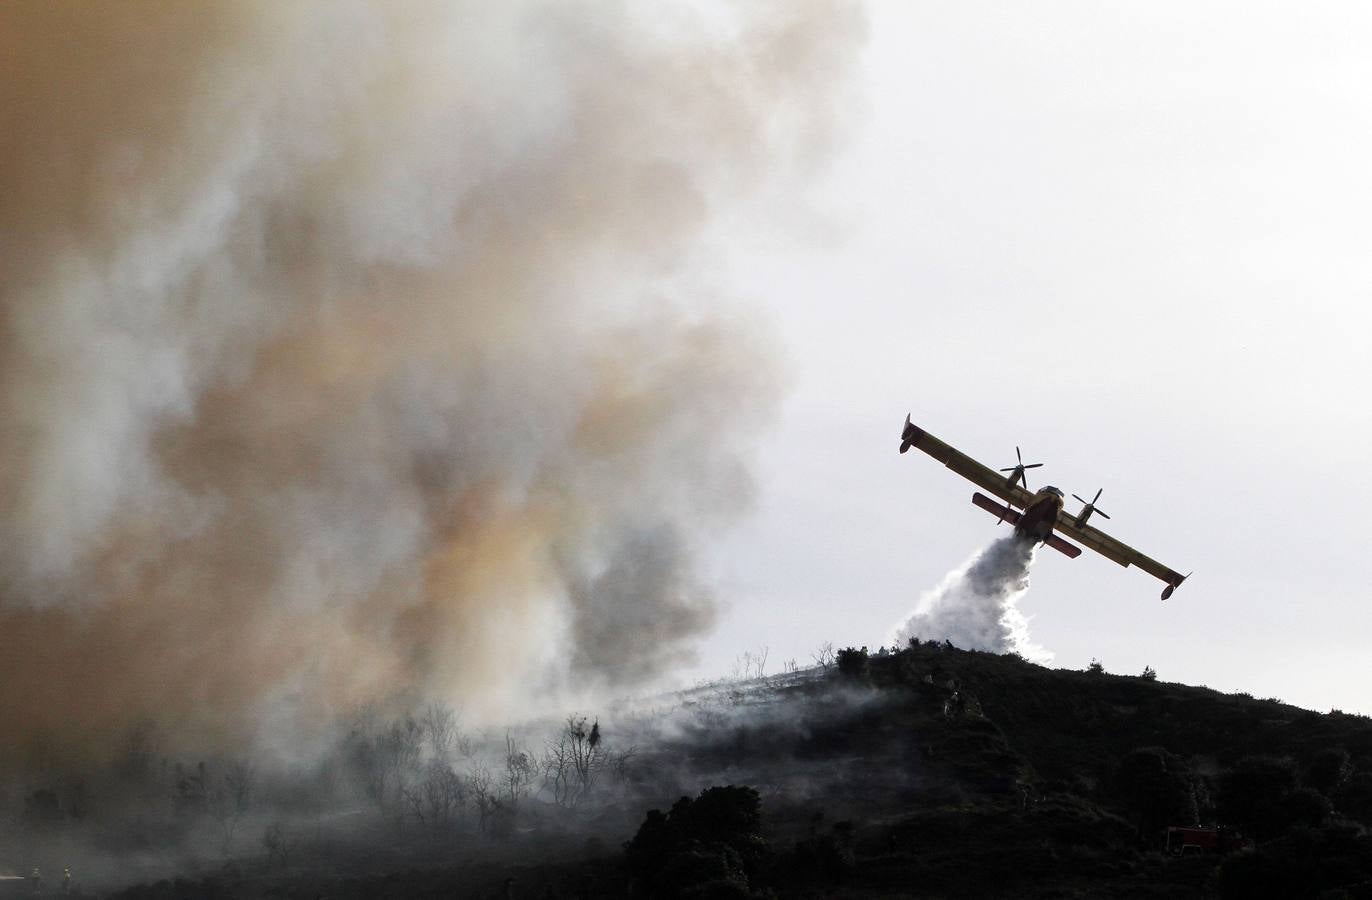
(929, 772)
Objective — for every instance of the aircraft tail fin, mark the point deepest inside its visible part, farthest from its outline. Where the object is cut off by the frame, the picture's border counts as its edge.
(1071, 550)
(1004, 513)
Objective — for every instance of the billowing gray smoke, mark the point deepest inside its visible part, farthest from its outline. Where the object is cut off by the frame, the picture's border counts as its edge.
(353, 352)
(975, 606)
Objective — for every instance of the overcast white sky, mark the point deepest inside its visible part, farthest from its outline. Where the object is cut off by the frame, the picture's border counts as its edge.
(1133, 239)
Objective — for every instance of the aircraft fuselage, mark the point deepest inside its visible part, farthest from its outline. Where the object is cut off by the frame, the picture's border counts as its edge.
(1036, 522)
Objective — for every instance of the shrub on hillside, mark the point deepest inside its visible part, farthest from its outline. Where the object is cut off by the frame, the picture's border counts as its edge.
(1354, 797)
(709, 846)
(828, 857)
(1304, 806)
(1308, 862)
(1158, 788)
(1329, 770)
(854, 663)
(1253, 793)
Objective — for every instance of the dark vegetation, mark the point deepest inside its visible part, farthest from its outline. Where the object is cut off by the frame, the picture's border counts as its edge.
(923, 772)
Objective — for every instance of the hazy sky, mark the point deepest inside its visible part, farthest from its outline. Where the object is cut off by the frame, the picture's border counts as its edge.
(1132, 239)
(463, 431)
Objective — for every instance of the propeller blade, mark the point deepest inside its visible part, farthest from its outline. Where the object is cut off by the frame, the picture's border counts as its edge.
(1011, 469)
(1097, 497)
(1083, 501)
(1033, 465)
(1105, 515)
(1017, 456)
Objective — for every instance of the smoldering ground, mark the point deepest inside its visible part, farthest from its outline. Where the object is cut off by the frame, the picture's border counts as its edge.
(976, 605)
(428, 788)
(358, 353)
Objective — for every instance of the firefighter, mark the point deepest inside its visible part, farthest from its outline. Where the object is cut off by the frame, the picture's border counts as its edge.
(66, 879)
(37, 878)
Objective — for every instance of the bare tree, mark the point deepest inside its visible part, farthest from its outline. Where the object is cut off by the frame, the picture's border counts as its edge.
(479, 784)
(136, 759)
(387, 762)
(445, 794)
(750, 664)
(519, 771)
(438, 797)
(279, 844)
(790, 666)
(325, 779)
(364, 755)
(401, 748)
(362, 752)
(621, 765)
(192, 795)
(557, 770)
(229, 799)
(573, 761)
(400, 751)
(824, 656)
(412, 798)
(440, 729)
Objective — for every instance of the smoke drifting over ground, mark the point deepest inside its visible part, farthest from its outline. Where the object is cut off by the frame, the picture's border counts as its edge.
(975, 606)
(351, 352)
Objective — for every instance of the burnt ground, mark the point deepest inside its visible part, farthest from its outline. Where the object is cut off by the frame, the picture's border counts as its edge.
(929, 772)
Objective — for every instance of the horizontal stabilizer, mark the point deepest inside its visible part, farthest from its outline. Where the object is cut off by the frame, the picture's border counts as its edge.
(1062, 546)
(1004, 513)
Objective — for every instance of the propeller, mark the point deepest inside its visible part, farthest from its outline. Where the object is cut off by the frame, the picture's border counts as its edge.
(1018, 470)
(1091, 507)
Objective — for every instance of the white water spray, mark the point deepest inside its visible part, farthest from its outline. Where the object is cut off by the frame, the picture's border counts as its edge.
(975, 607)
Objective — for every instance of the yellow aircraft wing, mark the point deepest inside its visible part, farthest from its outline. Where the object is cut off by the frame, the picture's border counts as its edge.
(1093, 538)
(982, 476)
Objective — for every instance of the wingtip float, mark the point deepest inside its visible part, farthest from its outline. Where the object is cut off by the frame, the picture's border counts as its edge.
(1043, 512)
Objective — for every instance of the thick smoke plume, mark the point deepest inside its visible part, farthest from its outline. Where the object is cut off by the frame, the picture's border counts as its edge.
(975, 606)
(354, 352)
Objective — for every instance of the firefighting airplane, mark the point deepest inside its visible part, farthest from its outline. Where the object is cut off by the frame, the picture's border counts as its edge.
(1043, 510)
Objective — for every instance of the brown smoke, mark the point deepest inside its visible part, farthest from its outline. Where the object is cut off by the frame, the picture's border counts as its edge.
(348, 351)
